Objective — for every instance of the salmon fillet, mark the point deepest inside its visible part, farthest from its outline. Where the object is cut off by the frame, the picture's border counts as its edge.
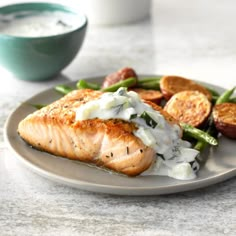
(106, 143)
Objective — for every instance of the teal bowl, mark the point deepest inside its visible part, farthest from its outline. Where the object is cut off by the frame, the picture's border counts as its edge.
(42, 56)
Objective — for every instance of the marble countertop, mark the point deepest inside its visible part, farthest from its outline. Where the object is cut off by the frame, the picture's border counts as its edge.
(182, 37)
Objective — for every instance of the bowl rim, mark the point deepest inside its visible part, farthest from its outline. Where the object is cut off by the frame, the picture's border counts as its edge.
(67, 8)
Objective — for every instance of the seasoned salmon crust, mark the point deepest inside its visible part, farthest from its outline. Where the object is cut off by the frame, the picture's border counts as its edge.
(107, 143)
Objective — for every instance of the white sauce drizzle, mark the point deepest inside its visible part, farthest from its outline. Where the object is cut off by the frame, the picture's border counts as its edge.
(175, 158)
(36, 24)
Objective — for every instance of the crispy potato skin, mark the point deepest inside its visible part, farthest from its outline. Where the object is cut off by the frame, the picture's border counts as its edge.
(149, 94)
(173, 84)
(191, 107)
(224, 116)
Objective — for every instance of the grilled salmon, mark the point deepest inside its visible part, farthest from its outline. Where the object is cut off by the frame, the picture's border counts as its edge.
(107, 143)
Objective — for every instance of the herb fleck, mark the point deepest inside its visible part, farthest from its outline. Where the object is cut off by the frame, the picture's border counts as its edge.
(148, 119)
(60, 22)
(133, 116)
(127, 150)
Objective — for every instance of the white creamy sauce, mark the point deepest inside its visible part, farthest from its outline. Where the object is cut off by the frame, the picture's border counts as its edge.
(36, 24)
(174, 157)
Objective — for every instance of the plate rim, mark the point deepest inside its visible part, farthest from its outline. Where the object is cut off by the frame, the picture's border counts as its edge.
(102, 188)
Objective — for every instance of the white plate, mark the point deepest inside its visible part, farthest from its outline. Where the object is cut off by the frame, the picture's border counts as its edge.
(220, 162)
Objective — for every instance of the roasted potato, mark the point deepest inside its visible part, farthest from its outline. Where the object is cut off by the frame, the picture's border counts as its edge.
(191, 107)
(121, 74)
(149, 94)
(224, 116)
(171, 85)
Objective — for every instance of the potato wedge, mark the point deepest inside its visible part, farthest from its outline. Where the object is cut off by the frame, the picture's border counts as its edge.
(149, 94)
(224, 116)
(191, 107)
(170, 85)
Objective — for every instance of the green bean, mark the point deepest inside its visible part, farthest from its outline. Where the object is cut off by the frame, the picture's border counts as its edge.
(200, 146)
(211, 130)
(214, 98)
(224, 97)
(122, 83)
(232, 100)
(212, 91)
(198, 134)
(149, 79)
(150, 85)
(38, 106)
(82, 84)
(63, 89)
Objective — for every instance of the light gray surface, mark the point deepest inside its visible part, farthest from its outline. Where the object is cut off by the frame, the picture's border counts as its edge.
(184, 38)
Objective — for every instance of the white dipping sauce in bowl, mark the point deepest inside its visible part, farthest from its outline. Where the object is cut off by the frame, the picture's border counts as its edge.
(38, 39)
(36, 24)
